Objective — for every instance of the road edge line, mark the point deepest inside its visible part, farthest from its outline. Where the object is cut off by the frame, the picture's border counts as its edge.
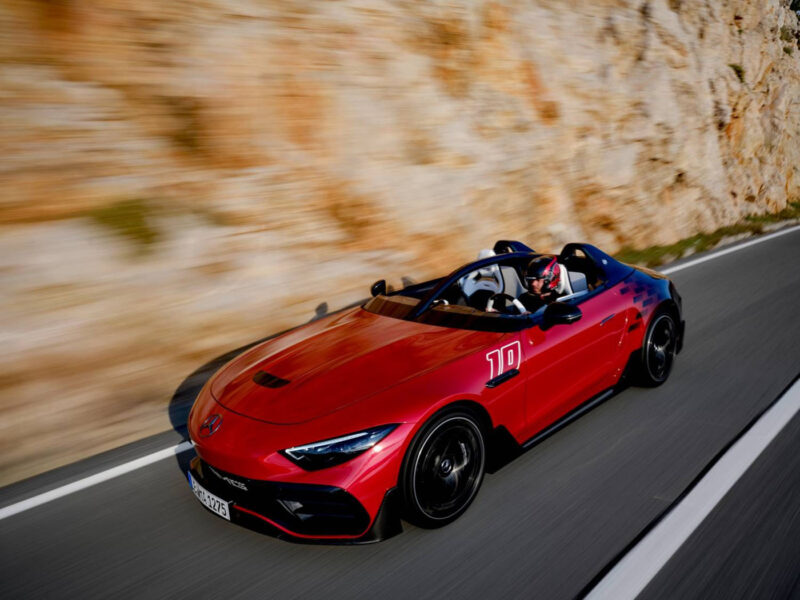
(92, 480)
(632, 569)
(730, 250)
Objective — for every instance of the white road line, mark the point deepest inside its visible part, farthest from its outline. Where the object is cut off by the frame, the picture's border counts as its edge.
(719, 253)
(81, 484)
(637, 568)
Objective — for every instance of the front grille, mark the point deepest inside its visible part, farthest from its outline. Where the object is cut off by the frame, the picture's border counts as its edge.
(301, 508)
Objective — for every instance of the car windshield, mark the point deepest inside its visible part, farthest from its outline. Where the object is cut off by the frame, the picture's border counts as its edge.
(444, 315)
(396, 305)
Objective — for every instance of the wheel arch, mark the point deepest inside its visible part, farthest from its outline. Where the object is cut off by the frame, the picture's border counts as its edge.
(501, 446)
(474, 407)
(484, 421)
(670, 306)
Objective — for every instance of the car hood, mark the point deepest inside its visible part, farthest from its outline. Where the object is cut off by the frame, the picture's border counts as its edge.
(335, 362)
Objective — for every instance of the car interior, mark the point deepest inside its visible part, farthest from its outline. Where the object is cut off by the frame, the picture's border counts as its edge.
(579, 276)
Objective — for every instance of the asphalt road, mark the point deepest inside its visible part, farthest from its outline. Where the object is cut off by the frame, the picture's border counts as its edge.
(543, 526)
(749, 546)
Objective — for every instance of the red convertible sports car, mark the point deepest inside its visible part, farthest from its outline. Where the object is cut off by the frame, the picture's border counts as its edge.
(340, 428)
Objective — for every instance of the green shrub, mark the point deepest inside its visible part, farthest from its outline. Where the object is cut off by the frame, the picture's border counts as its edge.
(739, 70)
(658, 255)
(131, 219)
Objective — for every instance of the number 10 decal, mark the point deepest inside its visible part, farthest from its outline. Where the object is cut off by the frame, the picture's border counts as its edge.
(504, 358)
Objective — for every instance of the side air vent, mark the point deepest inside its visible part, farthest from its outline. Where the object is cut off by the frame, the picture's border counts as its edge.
(269, 380)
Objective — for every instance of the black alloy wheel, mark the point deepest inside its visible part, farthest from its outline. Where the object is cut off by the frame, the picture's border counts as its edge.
(443, 469)
(658, 350)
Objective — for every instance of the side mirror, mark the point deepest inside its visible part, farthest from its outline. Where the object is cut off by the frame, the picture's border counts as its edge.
(378, 288)
(559, 313)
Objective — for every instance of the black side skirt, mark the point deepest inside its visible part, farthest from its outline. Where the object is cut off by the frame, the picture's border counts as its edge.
(569, 417)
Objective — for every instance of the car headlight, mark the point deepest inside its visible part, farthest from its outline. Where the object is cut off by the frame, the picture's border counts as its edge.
(328, 453)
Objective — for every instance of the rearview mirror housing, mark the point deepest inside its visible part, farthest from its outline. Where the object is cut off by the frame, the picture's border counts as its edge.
(559, 313)
(378, 288)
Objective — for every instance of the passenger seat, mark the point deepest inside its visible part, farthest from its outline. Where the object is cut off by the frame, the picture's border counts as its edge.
(578, 282)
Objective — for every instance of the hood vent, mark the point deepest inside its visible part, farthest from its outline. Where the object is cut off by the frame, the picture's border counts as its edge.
(269, 380)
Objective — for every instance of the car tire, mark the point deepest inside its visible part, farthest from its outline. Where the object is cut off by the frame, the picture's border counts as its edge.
(657, 354)
(443, 468)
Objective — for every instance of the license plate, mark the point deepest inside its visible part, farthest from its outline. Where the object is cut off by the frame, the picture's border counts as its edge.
(213, 503)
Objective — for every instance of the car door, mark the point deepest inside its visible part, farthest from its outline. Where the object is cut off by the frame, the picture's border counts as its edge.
(567, 364)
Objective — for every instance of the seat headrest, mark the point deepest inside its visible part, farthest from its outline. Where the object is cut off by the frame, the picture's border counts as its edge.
(490, 272)
(471, 284)
(487, 279)
(563, 280)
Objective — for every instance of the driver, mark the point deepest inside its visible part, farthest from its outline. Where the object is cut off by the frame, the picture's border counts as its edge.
(542, 278)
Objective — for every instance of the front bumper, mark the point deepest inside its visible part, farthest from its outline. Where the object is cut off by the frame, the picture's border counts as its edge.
(299, 511)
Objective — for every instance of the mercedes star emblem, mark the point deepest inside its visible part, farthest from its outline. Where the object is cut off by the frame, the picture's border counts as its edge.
(210, 425)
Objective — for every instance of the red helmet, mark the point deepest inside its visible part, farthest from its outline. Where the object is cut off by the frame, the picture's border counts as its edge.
(545, 268)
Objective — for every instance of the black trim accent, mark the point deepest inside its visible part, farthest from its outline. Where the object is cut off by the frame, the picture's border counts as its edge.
(495, 381)
(607, 319)
(387, 524)
(269, 380)
(509, 246)
(330, 510)
(569, 417)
